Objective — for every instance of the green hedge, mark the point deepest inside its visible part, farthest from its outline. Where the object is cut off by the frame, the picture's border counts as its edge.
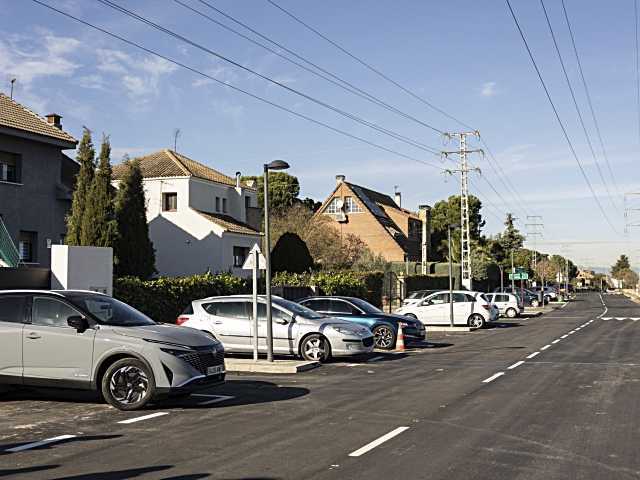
(163, 299)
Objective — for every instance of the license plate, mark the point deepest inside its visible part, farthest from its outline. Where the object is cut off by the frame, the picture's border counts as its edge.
(218, 369)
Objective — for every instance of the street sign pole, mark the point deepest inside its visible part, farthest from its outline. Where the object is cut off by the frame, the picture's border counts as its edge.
(256, 267)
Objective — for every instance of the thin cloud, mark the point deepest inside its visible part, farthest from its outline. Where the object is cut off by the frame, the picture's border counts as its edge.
(488, 89)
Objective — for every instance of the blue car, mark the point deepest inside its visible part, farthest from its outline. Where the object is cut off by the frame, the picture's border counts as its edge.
(384, 326)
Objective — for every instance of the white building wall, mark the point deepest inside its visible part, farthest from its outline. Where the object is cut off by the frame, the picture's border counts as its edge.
(82, 268)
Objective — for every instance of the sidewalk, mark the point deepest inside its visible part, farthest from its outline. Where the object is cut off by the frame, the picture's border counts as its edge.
(248, 365)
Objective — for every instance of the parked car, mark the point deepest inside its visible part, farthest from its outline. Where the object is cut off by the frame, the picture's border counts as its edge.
(297, 330)
(90, 341)
(508, 304)
(528, 297)
(469, 308)
(383, 325)
(416, 296)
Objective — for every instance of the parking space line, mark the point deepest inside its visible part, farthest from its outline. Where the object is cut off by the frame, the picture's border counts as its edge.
(144, 417)
(214, 398)
(29, 446)
(515, 365)
(565, 335)
(377, 442)
(493, 377)
(545, 347)
(556, 340)
(533, 354)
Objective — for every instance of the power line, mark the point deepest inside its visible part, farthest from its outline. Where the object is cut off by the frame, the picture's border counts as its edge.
(492, 161)
(233, 87)
(326, 75)
(588, 95)
(555, 111)
(324, 104)
(575, 103)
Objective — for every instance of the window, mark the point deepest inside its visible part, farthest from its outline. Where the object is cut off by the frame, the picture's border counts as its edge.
(27, 246)
(339, 306)
(317, 305)
(438, 299)
(239, 256)
(227, 309)
(224, 205)
(501, 298)
(276, 314)
(169, 202)
(51, 312)
(470, 298)
(10, 164)
(350, 205)
(247, 202)
(217, 204)
(12, 309)
(460, 298)
(334, 206)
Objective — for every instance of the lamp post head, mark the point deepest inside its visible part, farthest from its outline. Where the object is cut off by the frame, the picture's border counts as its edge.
(277, 165)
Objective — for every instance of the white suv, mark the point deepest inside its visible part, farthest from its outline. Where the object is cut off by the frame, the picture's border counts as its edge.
(508, 304)
(471, 309)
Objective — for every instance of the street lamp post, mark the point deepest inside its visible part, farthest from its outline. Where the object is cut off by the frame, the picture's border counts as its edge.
(450, 275)
(274, 165)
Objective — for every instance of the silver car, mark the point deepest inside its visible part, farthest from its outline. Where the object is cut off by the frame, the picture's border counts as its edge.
(90, 341)
(297, 330)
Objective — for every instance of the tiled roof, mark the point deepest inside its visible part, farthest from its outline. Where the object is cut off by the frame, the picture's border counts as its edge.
(14, 115)
(229, 223)
(167, 163)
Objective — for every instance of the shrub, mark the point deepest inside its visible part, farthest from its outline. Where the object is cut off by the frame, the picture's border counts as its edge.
(291, 255)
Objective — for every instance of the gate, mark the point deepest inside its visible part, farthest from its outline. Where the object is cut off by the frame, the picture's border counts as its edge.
(392, 291)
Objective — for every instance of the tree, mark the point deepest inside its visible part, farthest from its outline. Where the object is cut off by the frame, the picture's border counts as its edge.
(84, 179)
(621, 266)
(511, 238)
(134, 252)
(98, 220)
(291, 255)
(447, 212)
(629, 278)
(283, 190)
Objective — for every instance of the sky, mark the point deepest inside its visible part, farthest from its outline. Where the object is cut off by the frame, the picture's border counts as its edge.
(464, 57)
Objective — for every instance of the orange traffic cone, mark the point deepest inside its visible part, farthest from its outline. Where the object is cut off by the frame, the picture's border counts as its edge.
(400, 338)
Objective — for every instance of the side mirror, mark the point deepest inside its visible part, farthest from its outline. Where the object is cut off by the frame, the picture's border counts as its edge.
(280, 321)
(78, 322)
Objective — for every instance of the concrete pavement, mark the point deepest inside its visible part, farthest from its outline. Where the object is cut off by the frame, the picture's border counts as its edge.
(477, 405)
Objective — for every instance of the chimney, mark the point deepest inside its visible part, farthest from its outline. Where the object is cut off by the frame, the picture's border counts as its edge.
(54, 119)
(340, 179)
(238, 174)
(398, 199)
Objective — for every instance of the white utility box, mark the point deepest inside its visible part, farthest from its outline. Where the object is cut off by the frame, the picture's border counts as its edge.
(82, 268)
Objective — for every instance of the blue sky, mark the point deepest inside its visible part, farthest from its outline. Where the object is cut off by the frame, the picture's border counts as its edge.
(464, 56)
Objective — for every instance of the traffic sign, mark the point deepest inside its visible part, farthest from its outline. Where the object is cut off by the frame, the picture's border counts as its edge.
(519, 276)
(250, 262)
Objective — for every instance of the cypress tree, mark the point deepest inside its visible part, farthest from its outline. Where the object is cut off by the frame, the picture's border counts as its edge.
(86, 159)
(134, 252)
(98, 226)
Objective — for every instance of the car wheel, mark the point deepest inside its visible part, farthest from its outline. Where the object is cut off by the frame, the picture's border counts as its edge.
(128, 384)
(476, 321)
(316, 348)
(384, 337)
(535, 303)
(511, 313)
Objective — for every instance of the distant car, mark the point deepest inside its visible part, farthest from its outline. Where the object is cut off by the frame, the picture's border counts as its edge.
(297, 330)
(416, 296)
(528, 297)
(472, 309)
(90, 341)
(383, 325)
(508, 304)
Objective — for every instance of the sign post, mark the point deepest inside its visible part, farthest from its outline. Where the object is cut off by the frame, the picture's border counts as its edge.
(255, 261)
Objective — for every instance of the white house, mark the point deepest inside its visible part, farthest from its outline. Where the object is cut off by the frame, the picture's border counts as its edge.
(199, 219)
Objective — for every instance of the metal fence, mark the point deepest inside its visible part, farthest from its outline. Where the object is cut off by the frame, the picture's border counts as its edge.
(8, 252)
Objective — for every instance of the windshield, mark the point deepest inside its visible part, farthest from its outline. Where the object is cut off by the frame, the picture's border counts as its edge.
(415, 295)
(296, 308)
(110, 311)
(366, 307)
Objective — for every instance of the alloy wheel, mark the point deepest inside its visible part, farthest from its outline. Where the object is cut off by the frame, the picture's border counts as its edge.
(129, 384)
(476, 321)
(315, 349)
(383, 337)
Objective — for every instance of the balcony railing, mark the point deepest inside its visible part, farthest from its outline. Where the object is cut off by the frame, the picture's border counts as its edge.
(9, 254)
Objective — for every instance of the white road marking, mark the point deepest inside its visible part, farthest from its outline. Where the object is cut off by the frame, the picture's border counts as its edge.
(29, 446)
(605, 318)
(545, 347)
(374, 359)
(377, 442)
(556, 340)
(214, 398)
(515, 365)
(565, 335)
(534, 354)
(493, 377)
(621, 318)
(144, 417)
(635, 319)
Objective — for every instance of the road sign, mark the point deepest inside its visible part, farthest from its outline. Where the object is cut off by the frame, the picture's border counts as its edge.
(250, 262)
(519, 276)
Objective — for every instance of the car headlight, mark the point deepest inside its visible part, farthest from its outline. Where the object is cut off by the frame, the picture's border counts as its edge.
(345, 330)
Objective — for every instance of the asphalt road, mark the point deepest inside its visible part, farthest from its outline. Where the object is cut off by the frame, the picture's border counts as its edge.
(462, 407)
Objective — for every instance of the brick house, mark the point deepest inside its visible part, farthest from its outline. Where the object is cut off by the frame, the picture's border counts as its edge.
(36, 184)
(378, 220)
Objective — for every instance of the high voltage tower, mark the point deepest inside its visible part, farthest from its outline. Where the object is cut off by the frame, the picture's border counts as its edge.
(465, 229)
(533, 230)
(630, 208)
